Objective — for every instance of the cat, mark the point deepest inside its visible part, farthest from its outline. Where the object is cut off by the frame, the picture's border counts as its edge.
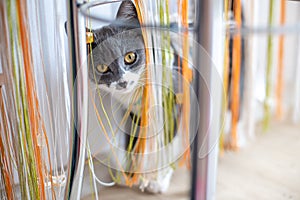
(116, 74)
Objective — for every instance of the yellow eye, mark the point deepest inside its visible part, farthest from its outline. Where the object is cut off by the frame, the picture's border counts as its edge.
(102, 68)
(130, 58)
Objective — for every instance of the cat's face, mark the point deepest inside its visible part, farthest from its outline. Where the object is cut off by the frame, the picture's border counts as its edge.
(118, 53)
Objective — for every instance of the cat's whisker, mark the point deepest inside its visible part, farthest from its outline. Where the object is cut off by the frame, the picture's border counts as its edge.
(129, 110)
(133, 97)
(116, 109)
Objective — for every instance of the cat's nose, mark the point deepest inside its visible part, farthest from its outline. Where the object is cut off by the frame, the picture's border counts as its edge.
(121, 85)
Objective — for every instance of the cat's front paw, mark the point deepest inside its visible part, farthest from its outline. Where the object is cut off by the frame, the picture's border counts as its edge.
(159, 184)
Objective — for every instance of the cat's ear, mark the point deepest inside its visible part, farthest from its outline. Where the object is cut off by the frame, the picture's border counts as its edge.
(87, 30)
(127, 11)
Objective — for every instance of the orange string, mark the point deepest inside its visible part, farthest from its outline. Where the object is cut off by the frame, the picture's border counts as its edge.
(30, 91)
(107, 137)
(141, 142)
(279, 86)
(187, 76)
(225, 74)
(236, 62)
(6, 167)
(140, 145)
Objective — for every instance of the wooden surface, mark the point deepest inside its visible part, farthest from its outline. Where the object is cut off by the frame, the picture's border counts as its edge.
(268, 168)
(179, 190)
(1, 79)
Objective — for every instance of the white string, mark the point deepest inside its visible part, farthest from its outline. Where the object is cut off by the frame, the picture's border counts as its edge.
(91, 167)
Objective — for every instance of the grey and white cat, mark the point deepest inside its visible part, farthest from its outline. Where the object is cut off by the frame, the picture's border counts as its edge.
(116, 70)
(118, 52)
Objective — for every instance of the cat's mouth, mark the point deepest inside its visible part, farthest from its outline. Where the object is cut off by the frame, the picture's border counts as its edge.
(124, 85)
(121, 85)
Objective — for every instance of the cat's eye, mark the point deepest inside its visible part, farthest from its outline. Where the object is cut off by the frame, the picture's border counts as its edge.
(130, 58)
(102, 68)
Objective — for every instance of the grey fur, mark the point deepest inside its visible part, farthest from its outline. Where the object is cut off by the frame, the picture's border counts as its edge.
(112, 42)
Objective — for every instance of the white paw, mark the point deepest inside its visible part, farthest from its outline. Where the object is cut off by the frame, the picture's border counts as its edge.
(159, 184)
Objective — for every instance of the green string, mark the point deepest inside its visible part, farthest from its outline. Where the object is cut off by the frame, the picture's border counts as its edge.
(27, 165)
(267, 115)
